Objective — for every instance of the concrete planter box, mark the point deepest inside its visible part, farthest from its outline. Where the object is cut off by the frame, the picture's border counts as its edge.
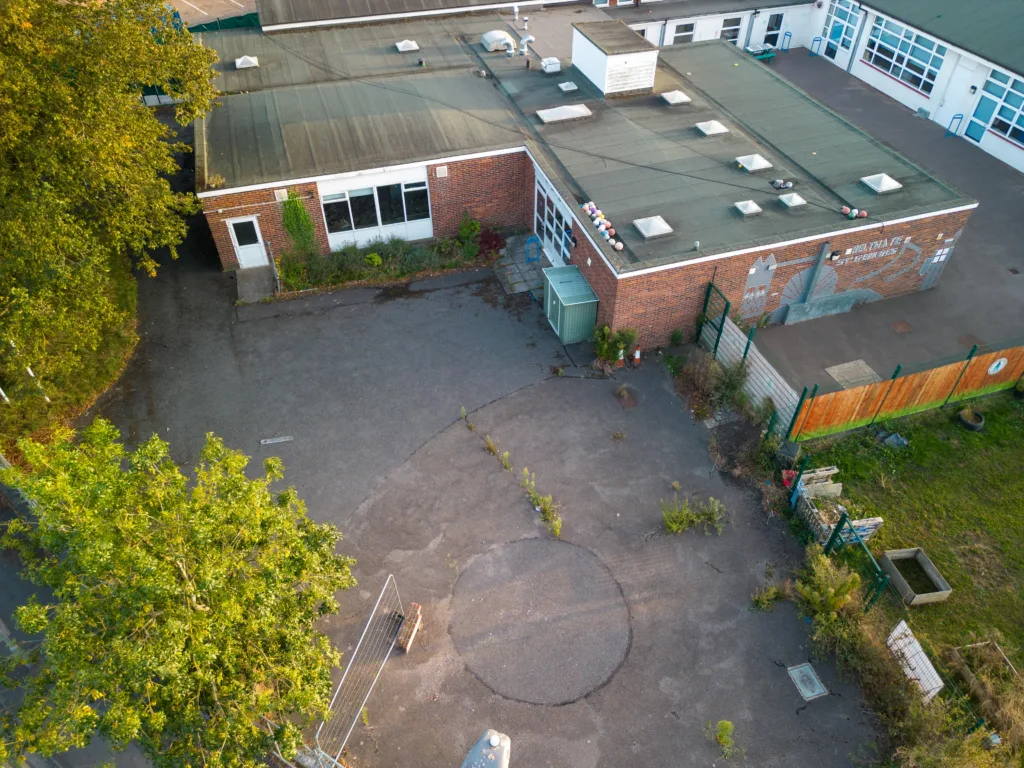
(942, 589)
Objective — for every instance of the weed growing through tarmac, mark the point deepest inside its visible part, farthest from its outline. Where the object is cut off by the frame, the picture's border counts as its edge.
(490, 446)
(463, 413)
(618, 437)
(676, 486)
(764, 598)
(680, 516)
(506, 462)
(722, 734)
(543, 504)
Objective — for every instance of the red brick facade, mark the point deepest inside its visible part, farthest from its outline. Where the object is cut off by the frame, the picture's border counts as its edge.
(656, 303)
(497, 191)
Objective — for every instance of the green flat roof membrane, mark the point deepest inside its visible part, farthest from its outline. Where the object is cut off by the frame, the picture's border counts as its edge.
(806, 681)
(570, 286)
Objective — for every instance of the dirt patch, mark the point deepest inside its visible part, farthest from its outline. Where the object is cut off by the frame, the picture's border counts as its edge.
(982, 559)
(915, 575)
(625, 397)
(493, 295)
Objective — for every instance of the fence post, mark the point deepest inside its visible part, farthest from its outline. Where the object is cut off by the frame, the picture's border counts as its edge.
(796, 481)
(895, 374)
(834, 538)
(963, 370)
(814, 394)
(750, 339)
(881, 582)
(721, 328)
(771, 425)
(704, 310)
(796, 413)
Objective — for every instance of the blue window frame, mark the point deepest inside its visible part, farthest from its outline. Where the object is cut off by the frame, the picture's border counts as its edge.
(910, 58)
(1000, 109)
(840, 26)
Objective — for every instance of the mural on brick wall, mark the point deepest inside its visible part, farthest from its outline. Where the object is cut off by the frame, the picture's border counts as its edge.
(828, 278)
(759, 280)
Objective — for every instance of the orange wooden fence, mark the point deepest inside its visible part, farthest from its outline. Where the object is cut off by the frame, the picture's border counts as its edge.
(979, 374)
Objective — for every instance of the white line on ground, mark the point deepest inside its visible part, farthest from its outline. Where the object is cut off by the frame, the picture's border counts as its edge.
(186, 2)
(238, 4)
(272, 440)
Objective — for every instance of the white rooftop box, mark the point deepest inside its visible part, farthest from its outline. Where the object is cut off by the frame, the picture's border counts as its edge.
(881, 183)
(247, 62)
(568, 86)
(614, 57)
(712, 128)
(405, 46)
(792, 200)
(496, 40)
(676, 97)
(748, 207)
(652, 226)
(561, 114)
(551, 65)
(753, 163)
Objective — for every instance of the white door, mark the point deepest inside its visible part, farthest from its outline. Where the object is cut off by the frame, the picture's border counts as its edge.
(957, 97)
(553, 225)
(248, 242)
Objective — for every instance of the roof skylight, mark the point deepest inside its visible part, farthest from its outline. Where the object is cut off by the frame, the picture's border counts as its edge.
(652, 226)
(753, 163)
(748, 207)
(676, 97)
(712, 128)
(561, 114)
(881, 183)
(404, 46)
(792, 200)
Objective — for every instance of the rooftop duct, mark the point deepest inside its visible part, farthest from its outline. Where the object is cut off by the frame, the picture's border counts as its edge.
(881, 183)
(564, 113)
(496, 40)
(712, 128)
(652, 226)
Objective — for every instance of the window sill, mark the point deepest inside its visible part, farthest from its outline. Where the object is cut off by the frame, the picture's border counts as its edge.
(1007, 139)
(908, 86)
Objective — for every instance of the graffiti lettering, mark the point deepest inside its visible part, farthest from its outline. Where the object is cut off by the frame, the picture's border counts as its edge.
(869, 256)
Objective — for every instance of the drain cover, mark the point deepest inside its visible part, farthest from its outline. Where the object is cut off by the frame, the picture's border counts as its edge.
(806, 681)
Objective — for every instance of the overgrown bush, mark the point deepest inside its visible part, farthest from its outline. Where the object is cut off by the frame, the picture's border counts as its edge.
(677, 337)
(680, 516)
(764, 598)
(608, 343)
(825, 589)
(299, 225)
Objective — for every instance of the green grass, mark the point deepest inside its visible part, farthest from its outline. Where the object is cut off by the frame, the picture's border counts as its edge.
(958, 494)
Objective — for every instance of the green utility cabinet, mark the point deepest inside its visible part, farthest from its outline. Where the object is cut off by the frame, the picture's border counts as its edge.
(570, 304)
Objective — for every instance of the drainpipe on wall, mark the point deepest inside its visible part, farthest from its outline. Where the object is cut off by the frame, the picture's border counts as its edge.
(860, 35)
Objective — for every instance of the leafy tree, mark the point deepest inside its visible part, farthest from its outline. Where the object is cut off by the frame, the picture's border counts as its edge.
(176, 612)
(82, 173)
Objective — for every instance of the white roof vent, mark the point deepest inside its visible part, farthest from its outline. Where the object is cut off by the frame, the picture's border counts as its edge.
(247, 62)
(652, 226)
(404, 46)
(712, 128)
(792, 200)
(568, 86)
(496, 40)
(748, 207)
(753, 163)
(561, 114)
(676, 97)
(881, 183)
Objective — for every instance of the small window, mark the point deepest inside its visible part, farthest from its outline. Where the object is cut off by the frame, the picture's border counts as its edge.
(364, 210)
(985, 109)
(975, 131)
(336, 213)
(683, 34)
(417, 207)
(997, 75)
(390, 200)
(731, 29)
(245, 233)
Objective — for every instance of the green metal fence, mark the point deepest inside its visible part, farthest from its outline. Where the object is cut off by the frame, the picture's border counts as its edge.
(246, 21)
(712, 316)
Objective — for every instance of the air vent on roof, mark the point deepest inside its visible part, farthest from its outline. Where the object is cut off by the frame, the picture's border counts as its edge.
(247, 62)
(497, 40)
(753, 163)
(404, 46)
(712, 128)
(652, 226)
(676, 97)
(561, 114)
(881, 183)
(792, 200)
(568, 86)
(748, 207)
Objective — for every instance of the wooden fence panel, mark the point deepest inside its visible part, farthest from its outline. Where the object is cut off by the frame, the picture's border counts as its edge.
(978, 381)
(859, 406)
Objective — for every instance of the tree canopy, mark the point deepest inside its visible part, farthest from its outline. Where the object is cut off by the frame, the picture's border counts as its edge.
(176, 611)
(83, 166)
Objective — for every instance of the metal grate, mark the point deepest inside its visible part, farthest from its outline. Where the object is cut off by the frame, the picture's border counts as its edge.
(364, 667)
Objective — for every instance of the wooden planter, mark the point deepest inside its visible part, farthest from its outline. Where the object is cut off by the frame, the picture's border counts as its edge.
(942, 590)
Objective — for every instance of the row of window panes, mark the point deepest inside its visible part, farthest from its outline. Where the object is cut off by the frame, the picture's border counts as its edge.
(683, 34)
(841, 23)
(1001, 108)
(731, 29)
(911, 58)
(376, 207)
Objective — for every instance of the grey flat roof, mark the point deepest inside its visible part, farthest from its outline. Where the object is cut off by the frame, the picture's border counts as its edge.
(312, 130)
(324, 55)
(988, 28)
(684, 9)
(640, 157)
(275, 12)
(614, 37)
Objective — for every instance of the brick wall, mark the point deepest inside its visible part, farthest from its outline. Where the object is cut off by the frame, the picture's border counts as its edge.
(261, 203)
(654, 304)
(498, 191)
(597, 273)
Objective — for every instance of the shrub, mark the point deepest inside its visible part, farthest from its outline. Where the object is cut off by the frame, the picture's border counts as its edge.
(490, 243)
(730, 384)
(825, 588)
(469, 229)
(373, 260)
(677, 337)
(680, 516)
(764, 598)
(608, 343)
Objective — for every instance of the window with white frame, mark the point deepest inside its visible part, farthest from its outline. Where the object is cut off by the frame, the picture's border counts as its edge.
(1000, 109)
(840, 26)
(910, 58)
(731, 29)
(683, 34)
(376, 206)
